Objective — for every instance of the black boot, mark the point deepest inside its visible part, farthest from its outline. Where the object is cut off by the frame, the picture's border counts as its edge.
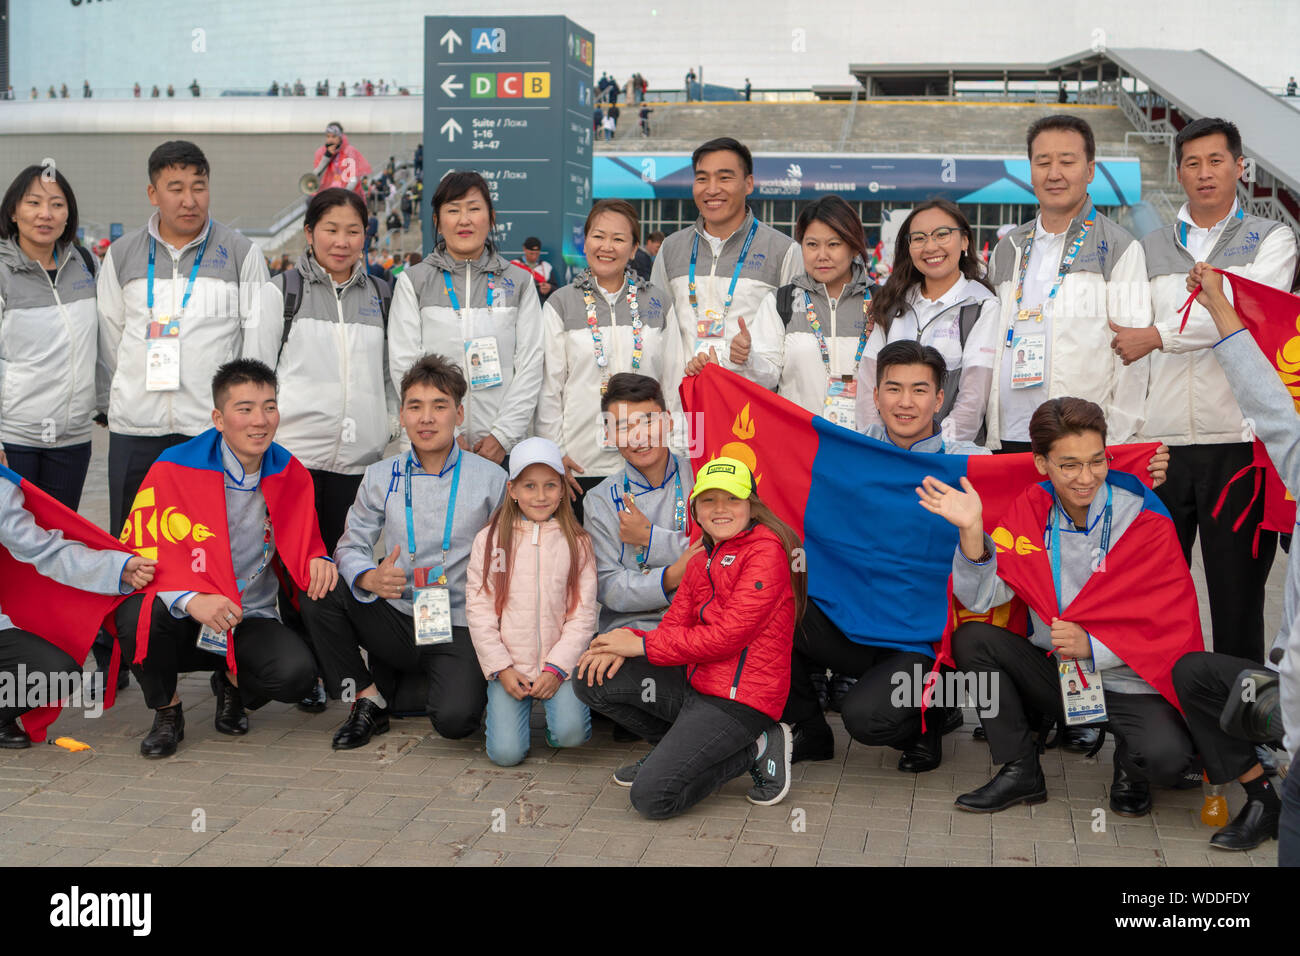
(818, 679)
(1020, 781)
(1256, 823)
(812, 739)
(230, 717)
(168, 730)
(13, 737)
(838, 689)
(1129, 795)
(926, 751)
(364, 720)
(316, 701)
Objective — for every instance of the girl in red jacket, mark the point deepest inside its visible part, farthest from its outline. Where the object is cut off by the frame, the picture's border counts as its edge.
(708, 685)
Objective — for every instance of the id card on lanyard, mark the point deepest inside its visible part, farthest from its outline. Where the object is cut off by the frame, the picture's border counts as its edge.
(215, 641)
(840, 405)
(711, 328)
(431, 607)
(162, 336)
(482, 357)
(1082, 698)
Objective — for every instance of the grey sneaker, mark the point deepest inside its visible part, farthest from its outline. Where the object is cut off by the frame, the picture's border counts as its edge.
(624, 776)
(771, 772)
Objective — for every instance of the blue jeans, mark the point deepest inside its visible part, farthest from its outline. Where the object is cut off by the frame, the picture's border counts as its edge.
(568, 722)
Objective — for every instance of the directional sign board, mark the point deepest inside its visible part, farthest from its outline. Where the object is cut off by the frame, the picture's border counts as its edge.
(511, 97)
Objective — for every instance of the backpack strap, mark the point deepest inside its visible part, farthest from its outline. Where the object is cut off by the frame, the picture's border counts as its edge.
(86, 256)
(292, 303)
(970, 314)
(785, 303)
(383, 289)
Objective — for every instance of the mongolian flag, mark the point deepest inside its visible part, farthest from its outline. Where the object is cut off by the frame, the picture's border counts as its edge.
(877, 561)
(179, 518)
(1273, 318)
(65, 616)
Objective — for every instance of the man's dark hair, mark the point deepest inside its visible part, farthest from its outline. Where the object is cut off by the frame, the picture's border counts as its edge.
(1058, 417)
(655, 236)
(909, 352)
(532, 242)
(18, 189)
(436, 371)
(241, 372)
(457, 185)
(724, 144)
(1062, 121)
(631, 387)
(177, 152)
(1208, 126)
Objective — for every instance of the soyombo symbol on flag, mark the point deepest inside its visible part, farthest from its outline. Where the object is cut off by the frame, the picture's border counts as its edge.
(878, 563)
(1273, 319)
(66, 617)
(179, 517)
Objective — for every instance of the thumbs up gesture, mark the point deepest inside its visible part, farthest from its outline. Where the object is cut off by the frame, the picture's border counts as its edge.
(696, 365)
(387, 580)
(1131, 344)
(740, 345)
(633, 526)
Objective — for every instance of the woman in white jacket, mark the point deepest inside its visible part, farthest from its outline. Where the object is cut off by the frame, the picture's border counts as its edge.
(467, 304)
(824, 312)
(937, 295)
(338, 409)
(606, 321)
(49, 332)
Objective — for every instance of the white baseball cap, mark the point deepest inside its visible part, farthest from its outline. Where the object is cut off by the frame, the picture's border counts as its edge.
(536, 451)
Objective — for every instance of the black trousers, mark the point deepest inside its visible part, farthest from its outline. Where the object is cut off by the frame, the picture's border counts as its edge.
(36, 655)
(587, 484)
(272, 662)
(129, 459)
(1013, 448)
(340, 626)
(334, 496)
(1153, 743)
(59, 472)
(1233, 577)
(869, 713)
(701, 742)
(1203, 682)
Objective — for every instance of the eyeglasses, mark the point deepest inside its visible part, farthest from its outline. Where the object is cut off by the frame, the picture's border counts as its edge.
(1073, 469)
(938, 235)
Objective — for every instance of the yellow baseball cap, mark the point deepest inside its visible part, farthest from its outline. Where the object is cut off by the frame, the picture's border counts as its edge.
(725, 474)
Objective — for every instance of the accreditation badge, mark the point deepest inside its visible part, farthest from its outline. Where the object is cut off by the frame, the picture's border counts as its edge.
(483, 362)
(1028, 360)
(1082, 698)
(841, 405)
(162, 364)
(211, 641)
(432, 611)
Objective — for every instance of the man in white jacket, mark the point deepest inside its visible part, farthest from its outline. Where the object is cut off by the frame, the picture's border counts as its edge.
(1189, 404)
(1061, 280)
(719, 270)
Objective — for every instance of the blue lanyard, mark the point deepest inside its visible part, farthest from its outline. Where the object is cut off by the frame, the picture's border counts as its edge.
(1067, 260)
(735, 274)
(1182, 226)
(451, 293)
(189, 285)
(441, 570)
(1055, 538)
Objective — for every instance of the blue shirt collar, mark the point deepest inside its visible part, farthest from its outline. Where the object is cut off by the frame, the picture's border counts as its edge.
(236, 476)
(447, 465)
(635, 477)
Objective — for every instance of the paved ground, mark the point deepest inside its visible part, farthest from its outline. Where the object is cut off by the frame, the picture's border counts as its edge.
(282, 796)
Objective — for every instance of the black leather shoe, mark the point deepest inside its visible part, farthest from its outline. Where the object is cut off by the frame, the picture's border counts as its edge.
(1020, 781)
(316, 701)
(1079, 740)
(230, 717)
(838, 688)
(1249, 828)
(365, 719)
(812, 739)
(818, 680)
(123, 677)
(13, 737)
(168, 730)
(1129, 796)
(926, 751)
(979, 733)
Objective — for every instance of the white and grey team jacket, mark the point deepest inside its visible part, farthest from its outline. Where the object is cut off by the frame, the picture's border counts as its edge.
(423, 320)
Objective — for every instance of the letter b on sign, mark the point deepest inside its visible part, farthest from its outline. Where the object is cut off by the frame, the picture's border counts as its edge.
(537, 86)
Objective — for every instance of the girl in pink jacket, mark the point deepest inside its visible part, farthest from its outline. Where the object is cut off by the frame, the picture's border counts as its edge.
(531, 605)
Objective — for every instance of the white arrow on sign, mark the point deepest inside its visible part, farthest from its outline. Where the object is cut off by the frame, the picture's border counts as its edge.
(449, 87)
(451, 128)
(451, 38)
